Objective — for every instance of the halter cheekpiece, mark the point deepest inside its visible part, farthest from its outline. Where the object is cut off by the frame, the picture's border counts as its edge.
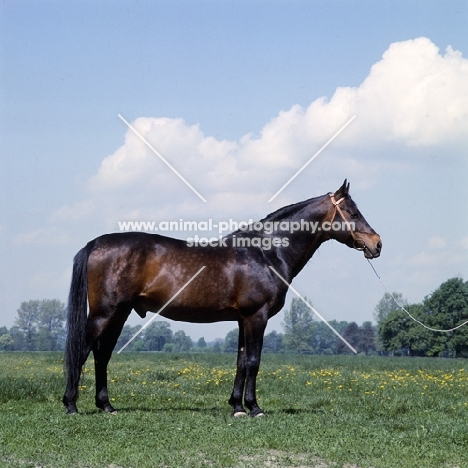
(336, 204)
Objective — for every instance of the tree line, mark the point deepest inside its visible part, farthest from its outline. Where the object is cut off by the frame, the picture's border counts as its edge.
(445, 309)
(40, 326)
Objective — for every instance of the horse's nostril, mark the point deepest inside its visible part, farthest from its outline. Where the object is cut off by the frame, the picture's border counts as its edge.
(379, 245)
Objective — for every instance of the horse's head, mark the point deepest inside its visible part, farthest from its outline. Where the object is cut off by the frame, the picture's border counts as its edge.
(349, 226)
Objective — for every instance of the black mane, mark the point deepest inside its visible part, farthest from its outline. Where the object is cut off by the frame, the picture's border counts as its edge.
(285, 212)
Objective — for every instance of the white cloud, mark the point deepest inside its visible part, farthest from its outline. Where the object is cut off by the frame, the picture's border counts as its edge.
(439, 254)
(414, 96)
(417, 96)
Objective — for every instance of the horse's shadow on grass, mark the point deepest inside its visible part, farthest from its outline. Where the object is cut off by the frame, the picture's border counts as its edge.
(130, 410)
(213, 410)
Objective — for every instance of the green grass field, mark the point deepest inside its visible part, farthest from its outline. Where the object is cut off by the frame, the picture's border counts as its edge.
(173, 412)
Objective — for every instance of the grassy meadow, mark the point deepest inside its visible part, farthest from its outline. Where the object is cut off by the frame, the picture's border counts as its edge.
(336, 411)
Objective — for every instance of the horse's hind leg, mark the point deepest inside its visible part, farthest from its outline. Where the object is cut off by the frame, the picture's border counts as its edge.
(71, 392)
(238, 391)
(103, 346)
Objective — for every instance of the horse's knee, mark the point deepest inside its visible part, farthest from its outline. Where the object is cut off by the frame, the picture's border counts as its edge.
(252, 364)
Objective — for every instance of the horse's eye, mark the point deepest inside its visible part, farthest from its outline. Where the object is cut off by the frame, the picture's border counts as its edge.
(354, 215)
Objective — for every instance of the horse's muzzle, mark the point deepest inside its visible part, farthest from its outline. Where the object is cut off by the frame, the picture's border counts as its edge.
(373, 251)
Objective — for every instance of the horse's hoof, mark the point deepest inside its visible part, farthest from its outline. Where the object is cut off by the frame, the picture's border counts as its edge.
(239, 414)
(107, 408)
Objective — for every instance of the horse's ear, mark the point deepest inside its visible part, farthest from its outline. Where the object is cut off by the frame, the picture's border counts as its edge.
(343, 190)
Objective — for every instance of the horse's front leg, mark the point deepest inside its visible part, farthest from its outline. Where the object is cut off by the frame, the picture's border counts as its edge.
(238, 391)
(254, 329)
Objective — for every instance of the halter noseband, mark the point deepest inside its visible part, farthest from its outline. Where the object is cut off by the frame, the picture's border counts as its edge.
(336, 204)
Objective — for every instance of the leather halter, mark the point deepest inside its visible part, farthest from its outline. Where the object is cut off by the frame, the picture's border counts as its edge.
(336, 204)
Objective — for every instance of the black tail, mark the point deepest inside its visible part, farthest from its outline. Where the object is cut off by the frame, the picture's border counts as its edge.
(75, 349)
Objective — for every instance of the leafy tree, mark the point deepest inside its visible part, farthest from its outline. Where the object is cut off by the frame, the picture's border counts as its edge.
(387, 304)
(324, 341)
(367, 340)
(42, 325)
(18, 338)
(459, 342)
(157, 335)
(182, 342)
(169, 348)
(392, 330)
(51, 319)
(28, 315)
(352, 334)
(201, 344)
(6, 342)
(398, 332)
(230, 342)
(273, 342)
(127, 333)
(446, 308)
(138, 345)
(298, 327)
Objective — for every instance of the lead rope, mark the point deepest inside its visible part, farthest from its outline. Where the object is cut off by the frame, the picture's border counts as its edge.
(402, 308)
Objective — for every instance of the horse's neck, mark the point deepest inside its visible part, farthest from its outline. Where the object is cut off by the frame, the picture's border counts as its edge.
(302, 243)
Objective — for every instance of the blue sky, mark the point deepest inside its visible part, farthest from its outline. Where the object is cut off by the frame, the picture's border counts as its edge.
(262, 85)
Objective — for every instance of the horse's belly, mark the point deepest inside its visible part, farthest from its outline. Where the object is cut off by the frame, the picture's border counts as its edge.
(201, 315)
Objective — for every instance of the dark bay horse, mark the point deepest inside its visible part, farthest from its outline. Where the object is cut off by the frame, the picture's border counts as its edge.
(118, 273)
